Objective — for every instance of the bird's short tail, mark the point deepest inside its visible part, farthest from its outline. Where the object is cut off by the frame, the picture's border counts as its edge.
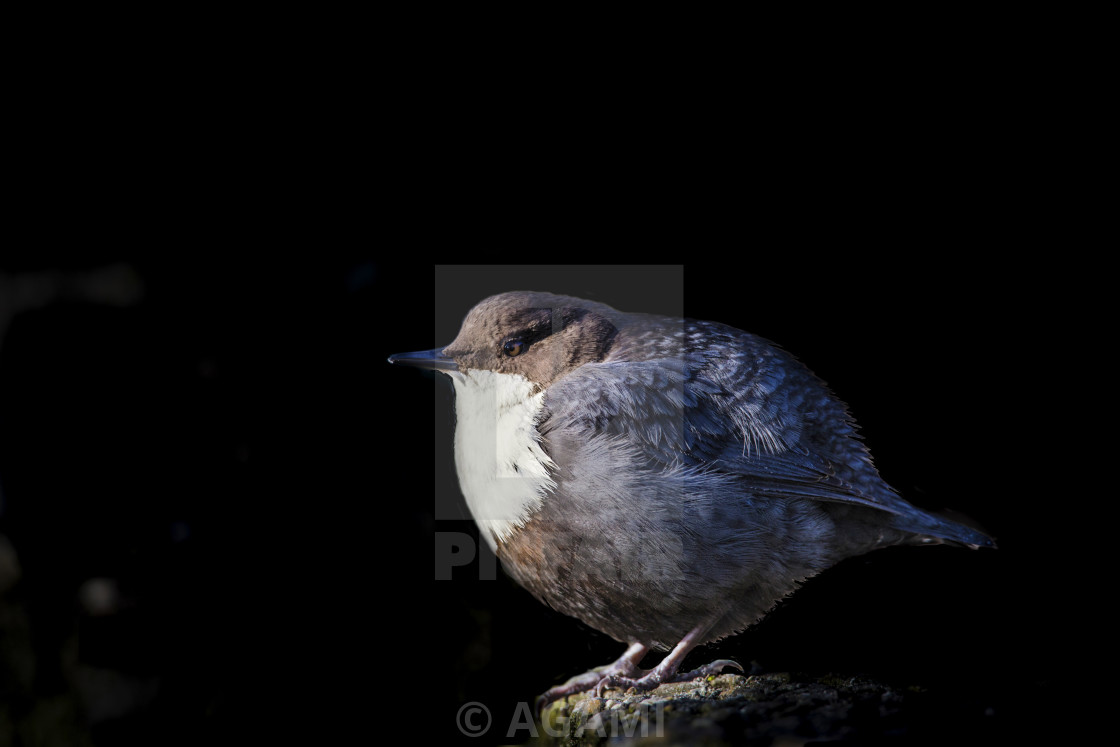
(935, 529)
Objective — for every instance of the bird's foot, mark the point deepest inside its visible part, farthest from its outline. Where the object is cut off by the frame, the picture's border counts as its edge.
(708, 670)
(586, 681)
(654, 677)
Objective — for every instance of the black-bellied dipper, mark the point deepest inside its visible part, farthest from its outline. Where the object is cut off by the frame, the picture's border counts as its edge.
(666, 481)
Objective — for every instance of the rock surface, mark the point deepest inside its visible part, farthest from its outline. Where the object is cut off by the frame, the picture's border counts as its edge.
(785, 709)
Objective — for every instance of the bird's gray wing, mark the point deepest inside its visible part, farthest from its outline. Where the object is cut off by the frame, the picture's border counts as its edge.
(752, 411)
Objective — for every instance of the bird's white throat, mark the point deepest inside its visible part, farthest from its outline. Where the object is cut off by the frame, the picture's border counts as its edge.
(503, 472)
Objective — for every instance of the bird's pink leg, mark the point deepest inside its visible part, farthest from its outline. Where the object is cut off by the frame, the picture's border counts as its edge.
(666, 671)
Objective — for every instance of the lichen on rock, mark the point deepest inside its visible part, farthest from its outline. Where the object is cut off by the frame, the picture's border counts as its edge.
(729, 708)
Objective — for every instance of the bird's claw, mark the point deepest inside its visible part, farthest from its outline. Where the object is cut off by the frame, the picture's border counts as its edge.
(652, 679)
(578, 684)
(624, 675)
(708, 670)
(642, 684)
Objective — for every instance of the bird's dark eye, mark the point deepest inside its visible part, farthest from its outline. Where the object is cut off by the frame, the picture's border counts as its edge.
(514, 347)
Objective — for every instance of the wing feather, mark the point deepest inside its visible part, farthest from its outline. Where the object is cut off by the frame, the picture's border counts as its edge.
(748, 409)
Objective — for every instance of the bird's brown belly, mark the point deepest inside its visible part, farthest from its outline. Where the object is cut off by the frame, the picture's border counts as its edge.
(652, 582)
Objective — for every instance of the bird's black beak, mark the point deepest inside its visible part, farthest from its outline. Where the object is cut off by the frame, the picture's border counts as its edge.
(433, 359)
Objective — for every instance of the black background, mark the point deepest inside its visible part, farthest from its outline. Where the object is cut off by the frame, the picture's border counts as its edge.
(247, 399)
(234, 450)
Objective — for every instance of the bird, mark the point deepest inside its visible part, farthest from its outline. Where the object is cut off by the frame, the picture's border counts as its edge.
(666, 481)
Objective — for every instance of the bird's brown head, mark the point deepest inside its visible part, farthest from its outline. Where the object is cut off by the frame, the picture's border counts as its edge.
(541, 336)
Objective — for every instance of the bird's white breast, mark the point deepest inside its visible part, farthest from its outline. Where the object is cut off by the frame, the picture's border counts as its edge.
(503, 472)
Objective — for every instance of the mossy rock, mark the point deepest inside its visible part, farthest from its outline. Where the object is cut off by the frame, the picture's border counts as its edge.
(732, 709)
